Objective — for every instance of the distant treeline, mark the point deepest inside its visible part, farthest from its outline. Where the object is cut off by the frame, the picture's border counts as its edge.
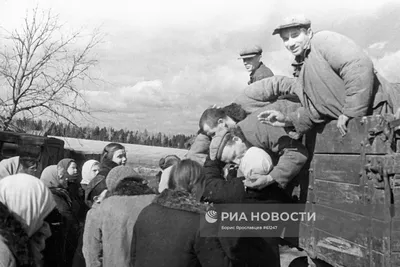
(104, 134)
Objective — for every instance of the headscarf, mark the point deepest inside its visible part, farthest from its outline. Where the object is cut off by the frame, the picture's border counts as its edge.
(28, 198)
(63, 166)
(49, 177)
(87, 171)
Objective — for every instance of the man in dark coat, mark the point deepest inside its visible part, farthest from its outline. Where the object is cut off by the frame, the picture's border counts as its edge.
(251, 57)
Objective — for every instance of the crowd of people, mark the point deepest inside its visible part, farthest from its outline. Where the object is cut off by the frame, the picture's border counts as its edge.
(104, 213)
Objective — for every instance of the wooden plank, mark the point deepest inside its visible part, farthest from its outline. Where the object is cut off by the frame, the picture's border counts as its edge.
(337, 168)
(378, 260)
(395, 259)
(380, 236)
(346, 197)
(395, 235)
(329, 140)
(338, 223)
(339, 252)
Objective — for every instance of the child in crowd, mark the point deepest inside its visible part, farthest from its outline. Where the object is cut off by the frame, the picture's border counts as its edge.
(89, 170)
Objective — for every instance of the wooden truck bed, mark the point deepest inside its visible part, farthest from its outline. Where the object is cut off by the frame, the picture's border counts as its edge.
(354, 189)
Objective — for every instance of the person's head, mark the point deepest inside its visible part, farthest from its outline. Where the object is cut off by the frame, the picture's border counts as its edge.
(296, 34)
(255, 161)
(168, 161)
(214, 120)
(28, 198)
(189, 176)
(67, 170)
(28, 165)
(119, 173)
(114, 152)
(229, 146)
(89, 170)
(95, 191)
(53, 177)
(251, 57)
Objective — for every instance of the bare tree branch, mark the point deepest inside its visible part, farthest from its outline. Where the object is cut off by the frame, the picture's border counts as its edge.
(41, 67)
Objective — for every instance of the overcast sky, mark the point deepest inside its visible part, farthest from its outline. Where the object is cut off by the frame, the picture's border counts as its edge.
(165, 61)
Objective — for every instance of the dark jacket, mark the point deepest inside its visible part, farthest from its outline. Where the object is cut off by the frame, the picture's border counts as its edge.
(98, 184)
(14, 244)
(109, 226)
(260, 73)
(167, 233)
(65, 227)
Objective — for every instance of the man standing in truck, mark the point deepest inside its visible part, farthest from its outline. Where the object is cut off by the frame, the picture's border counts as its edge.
(251, 57)
(334, 80)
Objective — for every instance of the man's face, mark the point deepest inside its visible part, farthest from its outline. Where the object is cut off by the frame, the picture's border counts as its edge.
(251, 63)
(233, 153)
(296, 39)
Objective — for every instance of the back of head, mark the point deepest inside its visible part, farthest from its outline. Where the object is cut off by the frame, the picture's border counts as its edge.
(28, 164)
(210, 117)
(235, 111)
(50, 177)
(188, 175)
(119, 173)
(109, 151)
(27, 197)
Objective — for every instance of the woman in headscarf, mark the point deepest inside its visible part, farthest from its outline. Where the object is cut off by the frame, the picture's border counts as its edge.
(25, 202)
(61, 247)
(113, 155)
(89, 170)
(108, 235)
(167, 232)
(18, 164)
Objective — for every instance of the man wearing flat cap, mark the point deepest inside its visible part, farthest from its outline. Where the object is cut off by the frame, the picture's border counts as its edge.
(334, 80)
(251, 57)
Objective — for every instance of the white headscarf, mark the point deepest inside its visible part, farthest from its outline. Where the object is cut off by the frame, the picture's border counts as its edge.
(28, 198)
(256, 161)
(87, 174)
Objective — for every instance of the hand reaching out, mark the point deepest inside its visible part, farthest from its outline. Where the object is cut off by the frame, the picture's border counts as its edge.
(274, 118)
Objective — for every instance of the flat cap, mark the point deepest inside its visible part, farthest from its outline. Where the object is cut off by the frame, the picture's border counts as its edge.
(218, 143)
(250, 51)
(294, 21)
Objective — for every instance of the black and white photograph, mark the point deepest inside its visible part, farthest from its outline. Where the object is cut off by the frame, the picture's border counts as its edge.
(214, 133)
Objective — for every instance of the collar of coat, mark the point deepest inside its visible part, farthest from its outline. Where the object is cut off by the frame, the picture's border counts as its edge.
(180, 200)
(14, 236)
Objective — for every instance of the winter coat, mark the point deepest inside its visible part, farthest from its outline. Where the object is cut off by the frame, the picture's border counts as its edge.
(70, 229)
(290, 154)
(336, 77)
(260, 73)
(109, 226)
(14, 244)
(167, 233)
